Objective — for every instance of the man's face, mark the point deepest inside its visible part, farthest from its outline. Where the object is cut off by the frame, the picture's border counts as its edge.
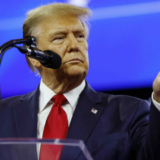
(66, 36)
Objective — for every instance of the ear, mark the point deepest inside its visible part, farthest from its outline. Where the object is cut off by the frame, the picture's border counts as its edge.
(35, 63)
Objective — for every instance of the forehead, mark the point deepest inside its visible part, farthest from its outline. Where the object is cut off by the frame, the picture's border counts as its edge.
(62, 23)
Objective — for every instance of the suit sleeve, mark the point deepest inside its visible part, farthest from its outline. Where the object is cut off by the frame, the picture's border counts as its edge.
(151, 146)
(145, 132)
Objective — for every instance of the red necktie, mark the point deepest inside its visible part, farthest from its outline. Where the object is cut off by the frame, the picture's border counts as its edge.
(56, 127)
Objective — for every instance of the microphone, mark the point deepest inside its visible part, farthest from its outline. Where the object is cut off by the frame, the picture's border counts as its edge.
(47, 58)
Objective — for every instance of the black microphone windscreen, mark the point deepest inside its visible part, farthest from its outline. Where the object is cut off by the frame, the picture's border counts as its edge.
(54, 61)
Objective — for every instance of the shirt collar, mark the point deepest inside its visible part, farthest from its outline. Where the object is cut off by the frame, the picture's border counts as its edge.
(73, 95)
(46, 94)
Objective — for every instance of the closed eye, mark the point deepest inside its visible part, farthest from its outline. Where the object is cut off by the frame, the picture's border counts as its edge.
(58, 38)
(80, 36)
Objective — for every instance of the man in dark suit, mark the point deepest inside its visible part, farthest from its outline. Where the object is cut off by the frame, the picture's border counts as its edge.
(112, 127)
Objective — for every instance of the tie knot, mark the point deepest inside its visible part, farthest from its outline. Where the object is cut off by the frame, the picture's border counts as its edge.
(59, 99)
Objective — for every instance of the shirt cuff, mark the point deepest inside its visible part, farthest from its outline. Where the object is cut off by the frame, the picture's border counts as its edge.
(156, 104)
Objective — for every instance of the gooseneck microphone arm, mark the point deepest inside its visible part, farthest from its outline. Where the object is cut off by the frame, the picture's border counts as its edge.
(30, 41)
(47, 58)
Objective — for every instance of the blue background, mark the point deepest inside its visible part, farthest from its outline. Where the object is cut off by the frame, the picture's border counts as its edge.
(124, 45)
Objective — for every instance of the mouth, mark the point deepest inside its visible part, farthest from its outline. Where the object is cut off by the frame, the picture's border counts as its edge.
(74, 60)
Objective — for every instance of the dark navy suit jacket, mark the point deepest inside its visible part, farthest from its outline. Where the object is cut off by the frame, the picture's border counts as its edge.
(121, 129)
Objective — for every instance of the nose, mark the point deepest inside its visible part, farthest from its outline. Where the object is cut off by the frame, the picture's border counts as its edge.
(72, 44)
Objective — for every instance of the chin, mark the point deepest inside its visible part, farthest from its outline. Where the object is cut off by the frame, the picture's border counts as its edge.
(79, 73)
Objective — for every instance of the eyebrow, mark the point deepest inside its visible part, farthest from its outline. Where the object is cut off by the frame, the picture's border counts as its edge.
(62, 31)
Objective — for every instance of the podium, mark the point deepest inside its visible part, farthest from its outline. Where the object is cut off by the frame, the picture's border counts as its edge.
(26, 149)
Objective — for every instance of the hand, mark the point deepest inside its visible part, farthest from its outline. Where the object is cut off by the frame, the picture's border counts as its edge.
(156, 88)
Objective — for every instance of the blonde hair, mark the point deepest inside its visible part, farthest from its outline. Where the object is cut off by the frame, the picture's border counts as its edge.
(35, 16)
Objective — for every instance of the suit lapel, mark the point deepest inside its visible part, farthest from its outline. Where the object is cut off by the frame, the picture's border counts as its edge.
(84, 120)
(25, 114)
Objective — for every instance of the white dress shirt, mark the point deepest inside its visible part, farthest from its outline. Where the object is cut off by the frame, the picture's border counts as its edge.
(45, 105)
(156, 104)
